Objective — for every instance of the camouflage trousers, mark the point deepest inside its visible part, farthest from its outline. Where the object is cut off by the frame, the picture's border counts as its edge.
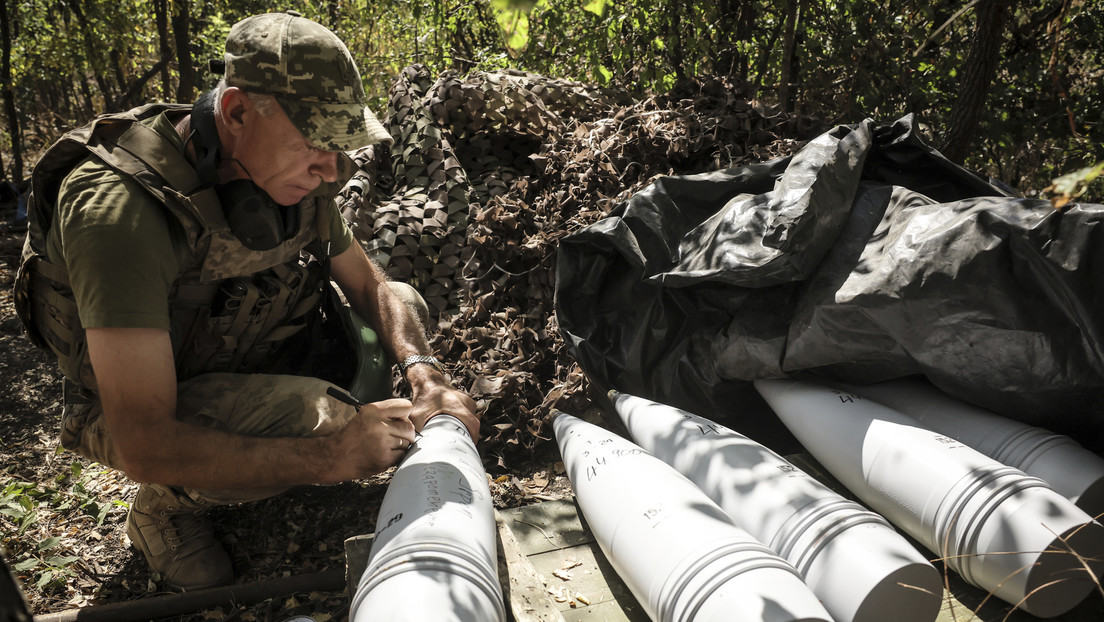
(246, 404)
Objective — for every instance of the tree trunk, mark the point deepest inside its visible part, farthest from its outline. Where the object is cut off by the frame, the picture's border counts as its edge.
(14, 128)
(90, 55)
(789, 39)
(981, 66)
(333, 7)
(762, 62)
(181, 24)
(161, 14)
(674, 38)
(1055, 32)
(117, 64)
(89, 98)
(745, 31)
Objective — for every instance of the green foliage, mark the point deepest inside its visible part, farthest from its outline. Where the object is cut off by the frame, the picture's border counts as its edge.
(23, 505)
(513, 17)
(17, 505)
(1074, 185)
(852, 59)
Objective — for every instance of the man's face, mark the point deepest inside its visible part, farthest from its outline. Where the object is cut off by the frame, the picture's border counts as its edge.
(279, 159)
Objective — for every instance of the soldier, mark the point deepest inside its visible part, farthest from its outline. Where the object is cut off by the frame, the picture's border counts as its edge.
(178, 263)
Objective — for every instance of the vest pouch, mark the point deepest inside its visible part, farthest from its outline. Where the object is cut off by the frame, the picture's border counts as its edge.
(23, 302)
(213, 343)
(288, 296)
(51, 319)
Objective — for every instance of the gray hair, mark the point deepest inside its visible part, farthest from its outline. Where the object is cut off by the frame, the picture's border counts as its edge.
(265, 103)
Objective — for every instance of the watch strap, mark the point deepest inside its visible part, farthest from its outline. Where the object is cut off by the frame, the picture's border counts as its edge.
(421, 358)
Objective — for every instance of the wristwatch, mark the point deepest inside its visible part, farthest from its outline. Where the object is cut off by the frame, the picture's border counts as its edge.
(421, 358)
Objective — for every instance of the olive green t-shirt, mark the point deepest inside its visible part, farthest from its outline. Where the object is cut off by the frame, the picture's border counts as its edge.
(122, 248)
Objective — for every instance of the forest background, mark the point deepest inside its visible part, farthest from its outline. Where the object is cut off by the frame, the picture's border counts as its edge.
(1010, 88)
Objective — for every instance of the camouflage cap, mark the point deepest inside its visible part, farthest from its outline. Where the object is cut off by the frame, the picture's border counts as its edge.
(311, 74)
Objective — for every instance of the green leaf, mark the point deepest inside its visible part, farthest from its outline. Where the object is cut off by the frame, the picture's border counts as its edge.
(598, 7)
(12, 491)
(1073, 184)
(102, 514)
(26, 521)
(26, 564)
(44, 578)
(514, 5)
(61, 562)
(48, 543)
(515, 28)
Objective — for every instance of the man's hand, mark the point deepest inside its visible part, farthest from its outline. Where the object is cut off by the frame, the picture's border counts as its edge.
(434, 396)
(374, 440)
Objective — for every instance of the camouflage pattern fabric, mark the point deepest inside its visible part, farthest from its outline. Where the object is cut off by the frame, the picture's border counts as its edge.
(459, 143)
(310, 72)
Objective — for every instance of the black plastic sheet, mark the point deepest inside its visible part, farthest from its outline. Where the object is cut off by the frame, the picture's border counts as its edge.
(866, 256)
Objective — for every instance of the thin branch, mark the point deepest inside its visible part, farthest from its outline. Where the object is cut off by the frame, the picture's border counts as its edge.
(944, 26)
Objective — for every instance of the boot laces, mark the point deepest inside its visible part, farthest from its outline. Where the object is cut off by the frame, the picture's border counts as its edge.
(186, 526)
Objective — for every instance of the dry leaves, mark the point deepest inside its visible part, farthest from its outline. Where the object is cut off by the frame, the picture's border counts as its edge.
(566, 595)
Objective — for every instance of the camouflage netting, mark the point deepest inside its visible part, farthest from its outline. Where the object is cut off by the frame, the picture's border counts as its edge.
(487, 173)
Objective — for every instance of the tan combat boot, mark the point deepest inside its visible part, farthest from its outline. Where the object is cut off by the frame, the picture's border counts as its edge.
(173, 532)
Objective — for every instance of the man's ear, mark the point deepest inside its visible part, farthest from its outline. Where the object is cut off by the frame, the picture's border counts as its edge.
(234, 105)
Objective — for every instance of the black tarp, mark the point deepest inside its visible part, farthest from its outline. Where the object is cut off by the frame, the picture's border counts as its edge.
(866, 256)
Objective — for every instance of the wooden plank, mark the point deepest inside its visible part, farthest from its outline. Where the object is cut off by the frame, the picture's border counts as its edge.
(612, 611)
(547, 526)
(583, 582)
(522, 588)
(577, 576)
(357, 549)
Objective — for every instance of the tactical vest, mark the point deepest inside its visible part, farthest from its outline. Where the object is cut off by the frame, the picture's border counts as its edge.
(231, 308)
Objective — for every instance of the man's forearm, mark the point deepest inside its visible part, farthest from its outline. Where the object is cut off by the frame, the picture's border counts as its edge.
(197, 457)
(400, 332)
(369, 294)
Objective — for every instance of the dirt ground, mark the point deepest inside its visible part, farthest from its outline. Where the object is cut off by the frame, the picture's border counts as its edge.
(63, 518)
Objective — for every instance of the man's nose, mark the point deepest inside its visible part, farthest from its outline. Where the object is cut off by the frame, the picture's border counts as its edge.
(325, 166)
